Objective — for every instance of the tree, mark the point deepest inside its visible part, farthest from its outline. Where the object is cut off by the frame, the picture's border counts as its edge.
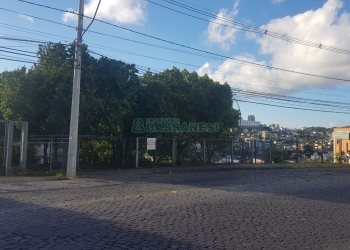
(42, 93)
(189, 97)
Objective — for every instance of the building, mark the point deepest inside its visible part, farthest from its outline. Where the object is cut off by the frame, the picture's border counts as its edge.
(251, 118)
(265, 134)
(341, 141)
(250, 123)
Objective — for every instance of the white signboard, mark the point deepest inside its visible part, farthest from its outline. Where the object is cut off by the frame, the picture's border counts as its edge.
(151, 143)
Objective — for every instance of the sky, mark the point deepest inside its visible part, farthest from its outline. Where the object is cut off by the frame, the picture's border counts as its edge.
(285, 49)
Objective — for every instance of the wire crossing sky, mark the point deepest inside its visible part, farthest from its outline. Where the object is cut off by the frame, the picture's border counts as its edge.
(286, 63)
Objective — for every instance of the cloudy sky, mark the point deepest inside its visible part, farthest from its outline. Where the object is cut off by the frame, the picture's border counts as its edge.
(283, 48)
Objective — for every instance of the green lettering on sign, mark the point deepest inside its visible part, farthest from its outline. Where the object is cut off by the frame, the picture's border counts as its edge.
(172, 125)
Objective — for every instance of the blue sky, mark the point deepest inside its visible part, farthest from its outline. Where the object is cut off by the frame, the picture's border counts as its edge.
(319, 21)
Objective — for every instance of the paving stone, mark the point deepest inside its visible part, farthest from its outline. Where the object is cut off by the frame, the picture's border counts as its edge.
(147, 209)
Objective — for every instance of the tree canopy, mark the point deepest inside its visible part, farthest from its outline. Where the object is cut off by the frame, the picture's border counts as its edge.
(112, 95)
(187, 96)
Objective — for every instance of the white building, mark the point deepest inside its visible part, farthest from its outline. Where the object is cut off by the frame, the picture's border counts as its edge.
(250, 123)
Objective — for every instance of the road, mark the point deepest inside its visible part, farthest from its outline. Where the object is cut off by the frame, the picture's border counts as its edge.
(150, 209)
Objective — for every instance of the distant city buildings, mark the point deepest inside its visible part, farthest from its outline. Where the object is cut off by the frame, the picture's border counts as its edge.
(265, 142)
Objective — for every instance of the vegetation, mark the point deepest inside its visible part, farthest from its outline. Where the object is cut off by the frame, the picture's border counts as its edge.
(112, 95)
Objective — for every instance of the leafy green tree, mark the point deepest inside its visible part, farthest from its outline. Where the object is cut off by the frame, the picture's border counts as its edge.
(42, 93)
(189, 97)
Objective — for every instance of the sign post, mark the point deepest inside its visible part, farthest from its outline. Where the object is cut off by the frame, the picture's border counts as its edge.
(151, 143)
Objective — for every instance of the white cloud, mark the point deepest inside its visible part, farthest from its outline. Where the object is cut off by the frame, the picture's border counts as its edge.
(26, 18)
(224, 36)
(327, 25)
(277, 1)
(205, 70)
(117, 11)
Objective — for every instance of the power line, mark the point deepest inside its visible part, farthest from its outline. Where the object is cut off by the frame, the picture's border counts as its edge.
(299, 99)
(240, 25)
(283, 98)
(289, 107)
(192, 48)
(293, 104)
(138, 66)
(16, 60)
(114, 36)
(15, 53)
(33, 32)
(93, 19)
(20, 40)
(256, 76)
(335, 106)
(245, 75)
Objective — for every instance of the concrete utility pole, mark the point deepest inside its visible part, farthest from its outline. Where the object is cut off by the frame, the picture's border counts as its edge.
(239, 131)
(74, 116)
(24, 145)
(8, 146)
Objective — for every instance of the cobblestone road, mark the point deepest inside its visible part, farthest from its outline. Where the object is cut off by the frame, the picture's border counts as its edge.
(148, 209)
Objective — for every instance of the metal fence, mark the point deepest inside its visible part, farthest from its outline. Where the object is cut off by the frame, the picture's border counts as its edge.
(187, 151)
(49, 153)
(13, 145)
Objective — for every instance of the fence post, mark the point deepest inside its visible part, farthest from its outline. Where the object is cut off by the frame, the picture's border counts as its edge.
(232, 149)
(174, 152)
(270, 150)
(78, 152)
(51, 149)
(5, 142)
(137, 153)
(240, 150)
(204, 151)
(24, 145)
(9, 144)
(255, 151)
(189, 150)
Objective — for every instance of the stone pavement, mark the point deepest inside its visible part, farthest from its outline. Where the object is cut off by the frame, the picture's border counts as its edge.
(151, 209)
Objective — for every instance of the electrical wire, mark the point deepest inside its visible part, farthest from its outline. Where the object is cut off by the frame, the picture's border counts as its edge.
(93, 19)
(192, 48)
(291, 107)
(240, 25)
(269, 96)
(254, 76)
(246, 101)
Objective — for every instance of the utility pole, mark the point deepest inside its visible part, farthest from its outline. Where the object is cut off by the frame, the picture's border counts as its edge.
(74, 116)
(239, 131)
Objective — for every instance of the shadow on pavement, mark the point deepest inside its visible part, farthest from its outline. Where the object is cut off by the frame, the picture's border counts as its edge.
(330, 185)
(28, 226)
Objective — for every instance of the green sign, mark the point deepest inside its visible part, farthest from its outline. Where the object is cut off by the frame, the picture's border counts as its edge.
(172, 125)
